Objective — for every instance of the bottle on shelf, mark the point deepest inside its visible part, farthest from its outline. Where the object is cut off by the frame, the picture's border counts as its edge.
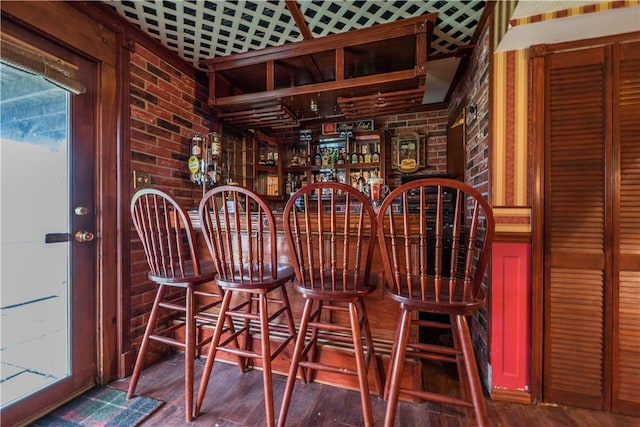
(302, 156)
(325, 157)
(354, 157)
(289, 184)
(333, 156)
(317, 158)
(375, 157)
(360, 182)
(366, 153)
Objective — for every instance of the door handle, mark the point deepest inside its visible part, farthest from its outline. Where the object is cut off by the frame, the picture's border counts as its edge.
(84, 236)
(56, 237)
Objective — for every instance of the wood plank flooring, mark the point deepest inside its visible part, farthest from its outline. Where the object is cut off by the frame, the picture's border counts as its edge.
(234, 399)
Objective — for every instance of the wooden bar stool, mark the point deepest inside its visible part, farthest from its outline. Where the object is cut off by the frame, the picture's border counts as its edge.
(167, 237)
(240, 232)
(435, 237)
(332, 254)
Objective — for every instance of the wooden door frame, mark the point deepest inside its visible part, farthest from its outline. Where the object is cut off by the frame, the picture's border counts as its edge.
(538, 55)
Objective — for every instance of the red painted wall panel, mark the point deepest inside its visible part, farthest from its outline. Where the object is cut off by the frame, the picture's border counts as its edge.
(511, 314)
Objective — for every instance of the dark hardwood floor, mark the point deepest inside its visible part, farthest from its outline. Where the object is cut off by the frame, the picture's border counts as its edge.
(234, 399)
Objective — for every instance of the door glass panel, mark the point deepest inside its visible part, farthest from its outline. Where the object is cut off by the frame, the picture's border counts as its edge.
(35, 288)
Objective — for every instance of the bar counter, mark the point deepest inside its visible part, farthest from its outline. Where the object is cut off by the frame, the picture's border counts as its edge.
(382, 312)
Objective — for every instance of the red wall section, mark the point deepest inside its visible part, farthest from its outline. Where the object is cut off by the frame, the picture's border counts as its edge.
(510, 322)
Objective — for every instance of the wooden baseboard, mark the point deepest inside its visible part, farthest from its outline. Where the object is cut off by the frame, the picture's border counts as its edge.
(513, 396)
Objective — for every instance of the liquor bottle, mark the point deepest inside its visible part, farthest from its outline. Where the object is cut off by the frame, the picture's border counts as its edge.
(317, 158)
(367, 153)
(325, 157)
(360, 182)
(303, 157)
(375, 157)
(288, 189)
(354, 157)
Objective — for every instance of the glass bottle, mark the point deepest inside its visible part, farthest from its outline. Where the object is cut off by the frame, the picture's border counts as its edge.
(354, 157)
(288, 189)
(360, 182)
(317, 158)
(375, 157)
(367, 153)
(325, 157)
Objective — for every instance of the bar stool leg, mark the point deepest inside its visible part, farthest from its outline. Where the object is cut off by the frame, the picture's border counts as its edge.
(371, 354)
(463, 378)
(397, 366)
(189, 352)
(151, 324)
(266, 359)
(360, 363)
(472, 371)
(295, 360)
(213, 347)
(394, 348)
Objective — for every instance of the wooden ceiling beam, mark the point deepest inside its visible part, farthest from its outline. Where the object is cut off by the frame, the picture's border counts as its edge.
(255, 112)
(387, 95)
(298, 17)
(260, 118)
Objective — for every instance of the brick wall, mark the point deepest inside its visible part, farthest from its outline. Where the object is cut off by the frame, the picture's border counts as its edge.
(475, 89)
(432, 128)
(166, 108)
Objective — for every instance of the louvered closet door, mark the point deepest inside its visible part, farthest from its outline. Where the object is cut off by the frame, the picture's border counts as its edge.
(576, 204)
(626, 350)
(592, 229)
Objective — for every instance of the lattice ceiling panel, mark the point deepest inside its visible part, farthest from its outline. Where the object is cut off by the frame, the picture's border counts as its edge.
(198, 30)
